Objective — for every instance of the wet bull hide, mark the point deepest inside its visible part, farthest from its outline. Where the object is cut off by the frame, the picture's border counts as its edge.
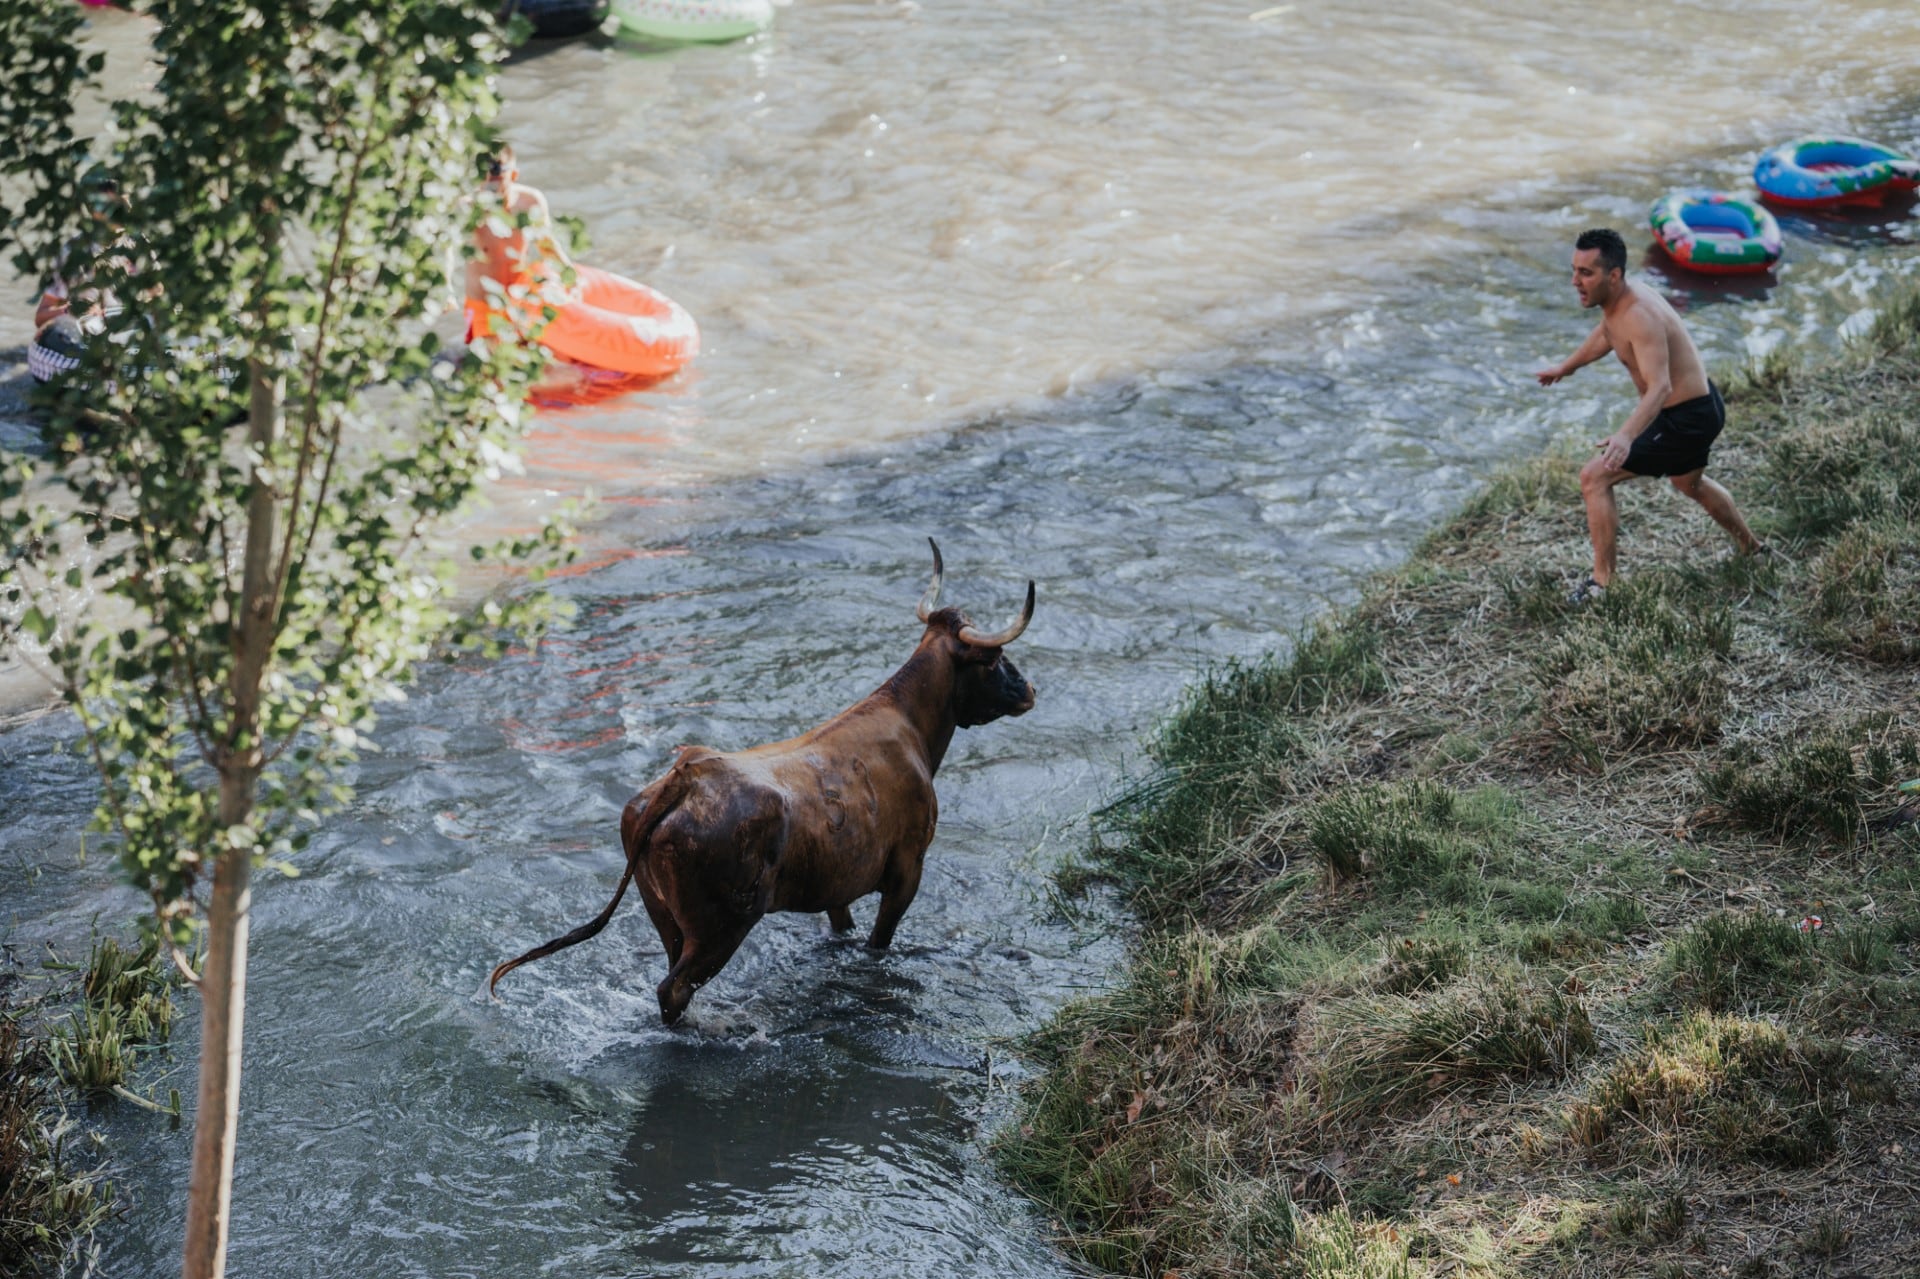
(812, 823)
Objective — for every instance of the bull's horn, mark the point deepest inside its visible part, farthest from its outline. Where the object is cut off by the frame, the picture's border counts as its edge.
(932, 596)
(999, 638)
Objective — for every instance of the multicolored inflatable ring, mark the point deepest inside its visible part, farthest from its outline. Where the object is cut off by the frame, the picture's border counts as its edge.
(1810, 172)
(1715, 232)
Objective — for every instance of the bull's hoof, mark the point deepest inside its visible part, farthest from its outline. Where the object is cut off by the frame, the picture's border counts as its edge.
(671, 1009)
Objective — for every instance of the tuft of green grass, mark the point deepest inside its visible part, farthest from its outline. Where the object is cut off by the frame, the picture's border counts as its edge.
(47, 1208)
(136, 982)
(1813, 780)
(1225, 757)
(1865, 949)
(1136, 1182)
(1721, 1087)
(1537, 597)
(1335, 1246)
(1896, 326)
(1865, 599)
(1768, 377)
(1828, 1237)
(1375, 1054)
(1414, 964)
(1641, 669)
(1730, 958)
(126, 1004)
(1416, 834)
(90, 1052)
(1658, 1218)
(1333, 663)
(1857, 462)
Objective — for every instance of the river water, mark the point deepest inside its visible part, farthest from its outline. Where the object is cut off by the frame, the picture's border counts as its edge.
(1193, 318)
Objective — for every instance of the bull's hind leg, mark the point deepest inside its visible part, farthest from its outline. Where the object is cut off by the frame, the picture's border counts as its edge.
(663, 921)
(897, 888)
(840, 918)
(704, 957)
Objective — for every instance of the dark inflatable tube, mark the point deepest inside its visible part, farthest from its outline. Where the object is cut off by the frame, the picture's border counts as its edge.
(554, 19)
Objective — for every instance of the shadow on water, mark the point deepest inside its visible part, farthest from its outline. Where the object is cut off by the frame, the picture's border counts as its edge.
(1888, 224)
(844, 1135)
(1688, 289)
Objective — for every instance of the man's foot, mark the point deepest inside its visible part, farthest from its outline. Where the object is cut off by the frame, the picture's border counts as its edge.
(1588, 592)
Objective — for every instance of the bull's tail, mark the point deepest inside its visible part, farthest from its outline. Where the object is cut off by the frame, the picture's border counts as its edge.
(635, 829)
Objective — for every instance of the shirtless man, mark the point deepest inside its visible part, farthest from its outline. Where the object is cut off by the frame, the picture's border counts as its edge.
(1679, 415)
(517, 250)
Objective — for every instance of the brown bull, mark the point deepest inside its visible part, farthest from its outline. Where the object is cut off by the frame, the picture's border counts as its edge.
(812, 823)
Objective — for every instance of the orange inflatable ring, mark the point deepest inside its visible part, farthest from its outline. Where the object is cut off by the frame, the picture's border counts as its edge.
(610, 322)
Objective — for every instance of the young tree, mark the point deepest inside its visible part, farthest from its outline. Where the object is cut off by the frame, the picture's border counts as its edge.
(256, 446)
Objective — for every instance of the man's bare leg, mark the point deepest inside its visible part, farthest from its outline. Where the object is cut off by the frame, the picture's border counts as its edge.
(1603, 515)
(1717, 502)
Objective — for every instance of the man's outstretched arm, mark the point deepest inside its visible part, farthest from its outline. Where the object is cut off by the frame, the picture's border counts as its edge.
(1590, 350)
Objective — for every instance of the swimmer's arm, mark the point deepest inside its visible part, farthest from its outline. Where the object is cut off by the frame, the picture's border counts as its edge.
(549, 236)
(536, 219)
(51, 307)
(474, 269)
(1596, 345)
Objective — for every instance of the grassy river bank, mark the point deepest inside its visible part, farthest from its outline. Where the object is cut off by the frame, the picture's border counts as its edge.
(1484, 935)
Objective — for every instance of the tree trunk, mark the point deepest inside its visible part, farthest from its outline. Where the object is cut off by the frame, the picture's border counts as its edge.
(223, 982)
(216, 1121)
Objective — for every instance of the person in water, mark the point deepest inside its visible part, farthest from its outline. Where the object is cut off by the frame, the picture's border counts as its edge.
(1672, 427)
(71, 287)
(515, 248)
(90, 274)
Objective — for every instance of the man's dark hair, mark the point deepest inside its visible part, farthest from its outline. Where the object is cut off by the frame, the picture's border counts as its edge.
(1613, 249)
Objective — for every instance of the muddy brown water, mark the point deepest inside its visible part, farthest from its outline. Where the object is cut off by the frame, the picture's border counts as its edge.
(1158, 305)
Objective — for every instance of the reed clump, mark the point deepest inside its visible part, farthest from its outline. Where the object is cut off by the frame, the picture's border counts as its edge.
(1488, 935)
(48, 1205)
(126, 1007)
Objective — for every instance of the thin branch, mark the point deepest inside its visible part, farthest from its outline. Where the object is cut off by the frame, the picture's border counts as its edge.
(333, 450)
(329, 291)
(184, 964)
(181, 652)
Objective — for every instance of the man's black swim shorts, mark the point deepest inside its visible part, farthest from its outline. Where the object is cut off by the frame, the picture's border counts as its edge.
(1677, 440)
